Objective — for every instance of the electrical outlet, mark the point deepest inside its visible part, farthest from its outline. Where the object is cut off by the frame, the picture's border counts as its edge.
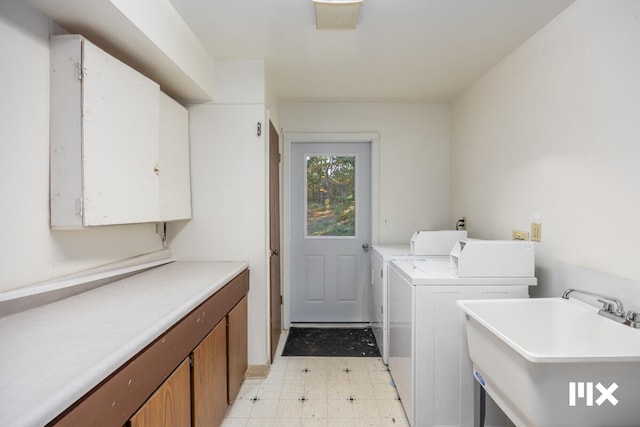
(461, 224)
(519, 235)
(536, 231)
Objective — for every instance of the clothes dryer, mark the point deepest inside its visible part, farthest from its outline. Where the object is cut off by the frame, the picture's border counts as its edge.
(428, 355)
(380, 258)
(423, 243)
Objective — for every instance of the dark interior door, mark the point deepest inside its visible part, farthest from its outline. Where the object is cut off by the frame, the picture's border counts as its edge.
(274, 238)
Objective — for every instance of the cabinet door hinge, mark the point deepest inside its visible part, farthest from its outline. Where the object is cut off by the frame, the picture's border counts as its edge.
(191, 360)
(80, 71)
(79, 206)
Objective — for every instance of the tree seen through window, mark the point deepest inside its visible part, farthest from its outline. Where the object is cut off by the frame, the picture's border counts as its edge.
(331, 195)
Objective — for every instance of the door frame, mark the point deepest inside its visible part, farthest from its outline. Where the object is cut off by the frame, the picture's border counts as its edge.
(290, 138)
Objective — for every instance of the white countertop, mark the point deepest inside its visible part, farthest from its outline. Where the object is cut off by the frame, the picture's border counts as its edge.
(52, 355)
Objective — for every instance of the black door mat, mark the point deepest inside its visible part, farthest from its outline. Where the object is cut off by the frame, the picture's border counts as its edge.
(331, 342)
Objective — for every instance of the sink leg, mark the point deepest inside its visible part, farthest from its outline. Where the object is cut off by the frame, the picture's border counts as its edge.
(479, 404)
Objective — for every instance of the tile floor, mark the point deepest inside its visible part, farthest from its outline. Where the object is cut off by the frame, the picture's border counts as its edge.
(319, 391)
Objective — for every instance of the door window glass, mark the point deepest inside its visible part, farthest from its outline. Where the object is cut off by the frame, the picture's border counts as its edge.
(331, 198)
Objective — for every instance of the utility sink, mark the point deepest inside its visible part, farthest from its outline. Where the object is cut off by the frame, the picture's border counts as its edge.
(555, 362)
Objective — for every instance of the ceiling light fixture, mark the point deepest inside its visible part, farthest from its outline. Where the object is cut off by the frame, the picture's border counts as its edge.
(337, 14)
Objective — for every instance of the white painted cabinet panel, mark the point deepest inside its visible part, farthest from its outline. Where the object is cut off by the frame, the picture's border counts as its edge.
(120, 115)
(175, 180)
(111, 128)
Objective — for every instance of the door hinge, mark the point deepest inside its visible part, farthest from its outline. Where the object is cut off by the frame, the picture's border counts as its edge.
(280, 299)
(279, 157)
(79, 206)
(80, 71)
(191, 360)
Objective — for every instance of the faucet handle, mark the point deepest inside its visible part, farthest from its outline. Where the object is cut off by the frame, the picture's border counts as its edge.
(633, 319)
(606, 305)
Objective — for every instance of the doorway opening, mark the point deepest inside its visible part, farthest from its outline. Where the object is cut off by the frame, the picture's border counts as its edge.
(330, 220)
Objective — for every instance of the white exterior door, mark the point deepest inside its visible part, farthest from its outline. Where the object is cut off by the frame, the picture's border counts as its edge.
(330, 231)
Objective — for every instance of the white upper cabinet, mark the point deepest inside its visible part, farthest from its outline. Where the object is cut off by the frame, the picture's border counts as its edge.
(175, 183)
(106, 141)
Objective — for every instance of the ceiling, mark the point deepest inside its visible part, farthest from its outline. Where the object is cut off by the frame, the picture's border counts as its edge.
(402, 50)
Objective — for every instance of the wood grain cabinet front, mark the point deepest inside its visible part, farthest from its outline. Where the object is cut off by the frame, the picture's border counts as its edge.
(209, 378)
(170, 405)
(237, 347)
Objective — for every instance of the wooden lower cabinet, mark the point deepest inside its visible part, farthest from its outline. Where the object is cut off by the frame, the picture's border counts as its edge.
(209, 378)
(170, 405)
(212, 339)
(237, 348)
(202, 393)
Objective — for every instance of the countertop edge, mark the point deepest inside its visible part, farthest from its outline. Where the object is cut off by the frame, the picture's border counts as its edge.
(81, 385)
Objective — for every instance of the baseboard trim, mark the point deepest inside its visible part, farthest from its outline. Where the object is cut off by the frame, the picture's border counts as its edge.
(257, 371)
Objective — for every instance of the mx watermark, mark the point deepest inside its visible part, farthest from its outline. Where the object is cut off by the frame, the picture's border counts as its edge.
(584, 390)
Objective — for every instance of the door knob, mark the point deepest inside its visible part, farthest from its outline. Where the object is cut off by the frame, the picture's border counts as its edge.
(365, 246)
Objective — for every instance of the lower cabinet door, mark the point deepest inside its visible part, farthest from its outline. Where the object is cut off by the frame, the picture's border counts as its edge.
(210, 378)
(237, 339)
(170, 405)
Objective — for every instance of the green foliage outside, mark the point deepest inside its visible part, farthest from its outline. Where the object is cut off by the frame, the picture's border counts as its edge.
(331, 196)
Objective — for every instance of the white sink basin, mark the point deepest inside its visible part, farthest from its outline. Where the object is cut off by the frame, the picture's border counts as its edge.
(532, 353)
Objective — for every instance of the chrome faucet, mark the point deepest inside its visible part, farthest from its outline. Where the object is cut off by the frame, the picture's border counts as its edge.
(612, 308)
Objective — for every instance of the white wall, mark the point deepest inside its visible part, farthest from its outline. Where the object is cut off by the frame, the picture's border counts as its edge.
(29, 250)
(229, 188)
(414, 157)
(553, 131)
(271, 97)
(239, 82)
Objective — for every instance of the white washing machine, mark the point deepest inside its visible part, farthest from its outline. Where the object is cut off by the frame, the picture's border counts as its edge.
(428, 355)
(422, 244)
(381, 256)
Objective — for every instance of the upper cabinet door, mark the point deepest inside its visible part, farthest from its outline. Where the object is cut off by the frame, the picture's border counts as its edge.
(175, 182)
(119, 150)
(120, 111)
